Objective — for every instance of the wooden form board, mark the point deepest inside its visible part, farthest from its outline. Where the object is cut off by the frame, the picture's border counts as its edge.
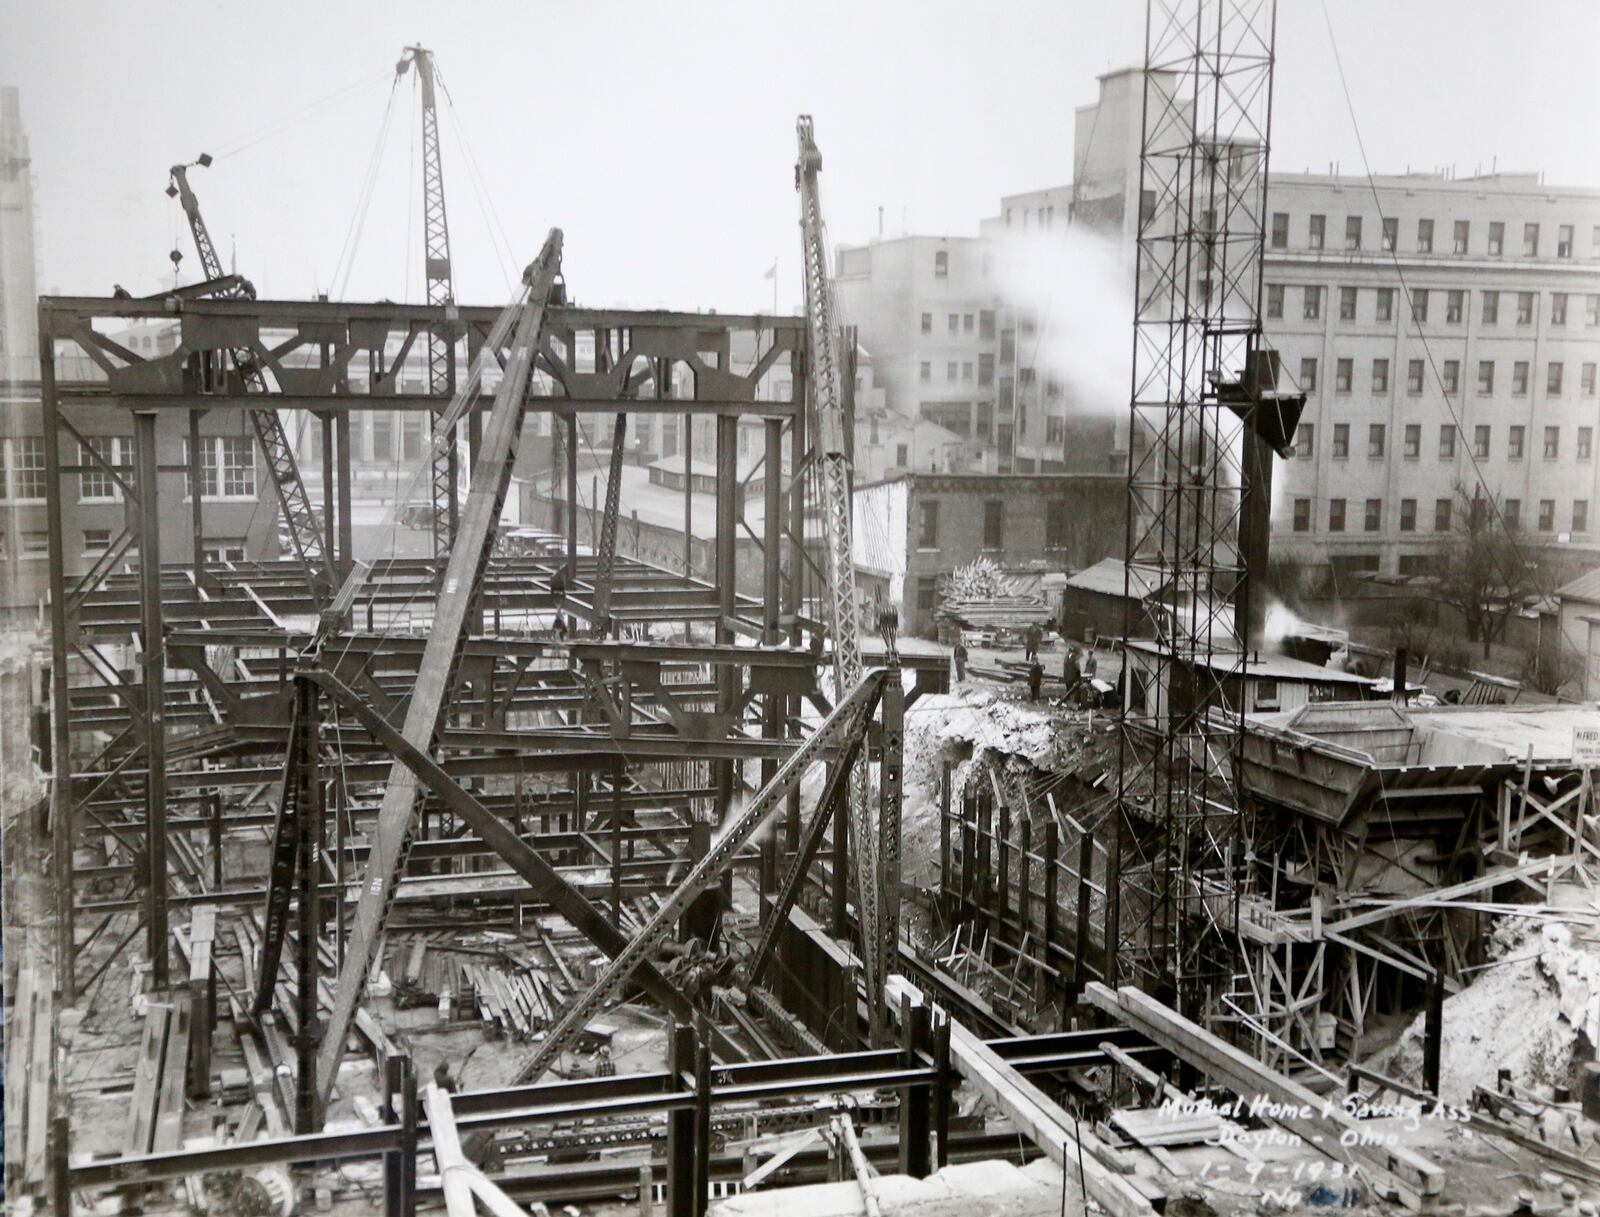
(1410, 1177)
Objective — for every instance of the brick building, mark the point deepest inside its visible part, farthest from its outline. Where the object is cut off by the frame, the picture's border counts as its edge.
(912, 530)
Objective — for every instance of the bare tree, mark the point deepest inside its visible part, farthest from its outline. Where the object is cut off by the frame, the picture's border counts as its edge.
(1485, 572)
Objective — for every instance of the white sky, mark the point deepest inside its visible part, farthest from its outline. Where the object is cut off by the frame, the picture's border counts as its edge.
(660, 135)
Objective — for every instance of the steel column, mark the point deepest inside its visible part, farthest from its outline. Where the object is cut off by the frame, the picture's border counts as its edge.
(152, 661)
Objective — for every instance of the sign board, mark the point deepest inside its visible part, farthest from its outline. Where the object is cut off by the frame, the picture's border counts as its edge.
(1586, 746)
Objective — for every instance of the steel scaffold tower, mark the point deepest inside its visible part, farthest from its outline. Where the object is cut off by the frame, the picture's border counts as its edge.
(1201, 201)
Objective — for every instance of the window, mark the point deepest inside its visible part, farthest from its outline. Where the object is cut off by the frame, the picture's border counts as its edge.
(1530, 240)
(1343, 374)
(1302, 515)
(1591, 310)
(1491, 308)
(1335, 515)
(1055, 429)
(1454, 301)
(1408, 515)
(950, 372)
(1413, 441)
(966, 323)
(928, 530)
(223, 551)
(1447, 442)
(927, 593)
(1564, 250)
(1463, 229)
(1319, 225)
(966, 370)
(382, 439)
(1374, 516)
(1441, 515)
(1385, 304)
(96, 540)
(1380, 376)
(1347, 304)
(1519, 378)
(1391, 232)
(1419, 305)
(1558, 308)
(1057, 524)
(925, 372)
(1313, 304)
(927, 323)
(1480, 442)
(1414, 377)
(1586, 380)
(35, 545)
(1304, 440)
(1585, 443)
(96, 484)
(1308, 375)
(1552, 443)
(1497, 238)
(986, 323)
(1280, 230)
(986, 368)
(1352, 232)
(1375, 434)
(1552, 379)
(1451, 375)
(1547, 515)
(1341, 441)
(1274, 300)
(1424, 236)
(1580, 511)
(994, 516)
(1485, 377)
(27, 467)
(1515, 442)
(902, 455)
(953, 323)
(941, 265)
(1511, 514)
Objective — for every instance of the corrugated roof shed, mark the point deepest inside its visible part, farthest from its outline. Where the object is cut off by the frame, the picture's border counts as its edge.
(1584, 587)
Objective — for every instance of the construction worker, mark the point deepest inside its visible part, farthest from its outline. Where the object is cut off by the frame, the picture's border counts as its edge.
(1032, 637)
(442, 1078)
(1071, 673)
(1087, 670)
(960, 656)
(561, 625)
(1035, 679)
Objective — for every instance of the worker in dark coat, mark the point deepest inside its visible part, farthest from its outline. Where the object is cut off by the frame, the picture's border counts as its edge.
(1035, 679)
(1032, 637)
(1071, 674)
(960, 655)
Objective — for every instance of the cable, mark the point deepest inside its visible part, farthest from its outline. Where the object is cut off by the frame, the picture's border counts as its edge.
(252, 138)
(358, 216)
(1531, 568)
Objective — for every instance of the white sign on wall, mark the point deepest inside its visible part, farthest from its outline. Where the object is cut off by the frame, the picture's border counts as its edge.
(1586, 746)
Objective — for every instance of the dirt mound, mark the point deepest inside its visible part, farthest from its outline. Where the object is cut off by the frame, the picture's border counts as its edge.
(1523, 1012)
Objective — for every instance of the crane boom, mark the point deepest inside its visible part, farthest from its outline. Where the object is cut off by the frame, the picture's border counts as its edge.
(441, 292)
(305, 530)
(830, 427)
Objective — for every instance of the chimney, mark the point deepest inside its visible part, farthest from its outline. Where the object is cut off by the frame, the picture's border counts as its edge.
(1401, 682)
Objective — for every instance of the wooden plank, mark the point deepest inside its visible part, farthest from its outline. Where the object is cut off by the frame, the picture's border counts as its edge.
(38, 1087)
(1442, 896)
(168, 1133)
(19, 1033)
(147, 1080)
(1414, 1177)
(1035, 1114)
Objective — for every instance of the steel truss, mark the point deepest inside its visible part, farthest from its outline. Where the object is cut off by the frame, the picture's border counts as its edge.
(1202, 199)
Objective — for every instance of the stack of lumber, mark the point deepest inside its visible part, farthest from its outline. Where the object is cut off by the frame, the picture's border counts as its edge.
(514, 986)
(1161, 1126)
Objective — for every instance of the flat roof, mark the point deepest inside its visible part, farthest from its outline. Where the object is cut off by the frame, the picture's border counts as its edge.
(1510, 731)
(1267, 666)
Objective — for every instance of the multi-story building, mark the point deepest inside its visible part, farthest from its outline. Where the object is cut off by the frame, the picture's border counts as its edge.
(947, 348)
(1446, 332)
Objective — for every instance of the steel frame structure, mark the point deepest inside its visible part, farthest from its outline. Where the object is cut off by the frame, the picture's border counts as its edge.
(1202, 197)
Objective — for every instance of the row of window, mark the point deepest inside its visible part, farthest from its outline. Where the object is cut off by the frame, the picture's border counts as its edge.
(1455, 305)
(98, 541)
(981, 323)
(1460, 236)
(1377, 435)
(1555, 377)
(227, 468)
(1056, 524)
(1443, 509)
